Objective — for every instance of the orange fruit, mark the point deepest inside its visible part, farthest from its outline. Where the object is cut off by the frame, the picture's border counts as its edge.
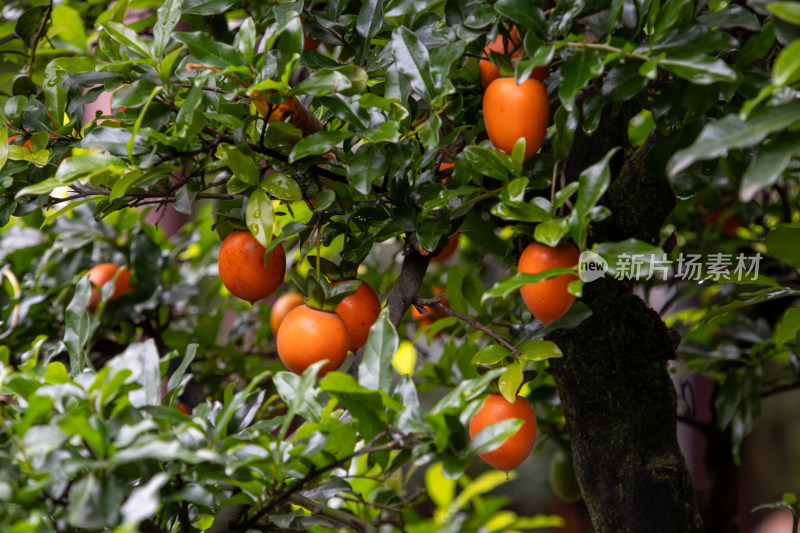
(518, 446)
(183, 408)
(359, 311)
(548, 300)
(243, 269)
(488, 72)
(513, 111)
(281, 308)
(447, 251)
(101, 274)
(730, 223)
(308, 335)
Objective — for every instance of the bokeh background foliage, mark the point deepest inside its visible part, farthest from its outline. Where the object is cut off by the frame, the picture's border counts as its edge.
(672, 130)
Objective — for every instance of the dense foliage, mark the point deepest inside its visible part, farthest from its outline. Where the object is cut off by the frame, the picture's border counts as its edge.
(352, 134)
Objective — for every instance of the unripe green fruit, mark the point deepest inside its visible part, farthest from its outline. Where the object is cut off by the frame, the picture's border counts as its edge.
(562, 478)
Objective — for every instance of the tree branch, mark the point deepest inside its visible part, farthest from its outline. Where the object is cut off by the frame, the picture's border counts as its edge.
(38, 36)
(345, 518)
(436, 303)
(406, 288)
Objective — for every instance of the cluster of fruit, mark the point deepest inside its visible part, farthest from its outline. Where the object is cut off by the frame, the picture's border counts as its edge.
(305, 334)
(513, 111)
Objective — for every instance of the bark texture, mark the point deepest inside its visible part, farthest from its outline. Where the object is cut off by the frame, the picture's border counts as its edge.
(620, 410)
(616, 393)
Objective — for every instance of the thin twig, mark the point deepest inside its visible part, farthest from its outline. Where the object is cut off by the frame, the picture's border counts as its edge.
(38, 36)
(343, 517)
(436, 303)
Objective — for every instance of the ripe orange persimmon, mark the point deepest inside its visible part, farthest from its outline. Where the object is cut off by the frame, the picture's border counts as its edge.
(308, 335)
(101, 274)
(281, 308)
(243, 269)
(513, 111)
(548, 300)
(359, 312)
(488, 72)
(518, 446)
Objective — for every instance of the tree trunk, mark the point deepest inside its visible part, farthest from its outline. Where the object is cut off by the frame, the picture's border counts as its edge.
(620, 410)
(616, 393)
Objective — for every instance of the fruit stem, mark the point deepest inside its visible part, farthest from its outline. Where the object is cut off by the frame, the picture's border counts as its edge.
(553, 181)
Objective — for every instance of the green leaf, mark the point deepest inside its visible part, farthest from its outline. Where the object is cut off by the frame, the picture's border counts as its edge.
(782, 243)
(134, 95)
(375, 370)
(19, 153)
(366, 406)
(788, 327)
(729, 132)
(369, 22)
(366, 165)
(786, 69)
(243, 167)
(77, 326)
(282, 186)
(318, 143)
(144, 501)
(566, 124)
(210, 52)
(551, 231)
(78, 166)
(411, 59)
(584, 65)
(493, 436)
(788, 11)
(246, 43)
(632, 258)
(29, 22)
(522, 12)
(593, 183)
(733, 16)
(128, 38)
(488, 162)
(43, 187)
(207, 7)
(539, 350)
(510, 381)
(490, 355)
(260, 217)
(55, 90)
(700, 69)
(186, 113)
(768, 165)
(503, 288)
(3, 147)
(299, 394)
(167, 16)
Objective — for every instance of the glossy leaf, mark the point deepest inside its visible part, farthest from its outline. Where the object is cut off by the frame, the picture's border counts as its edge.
(731, 132)
(375, 371)
(260, 217)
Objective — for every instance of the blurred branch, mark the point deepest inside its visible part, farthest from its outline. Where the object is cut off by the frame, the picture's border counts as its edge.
(345, 518)
(38, 36)
(402, 441)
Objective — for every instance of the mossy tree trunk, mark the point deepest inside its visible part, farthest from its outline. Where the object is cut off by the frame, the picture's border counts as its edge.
(616, 392)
